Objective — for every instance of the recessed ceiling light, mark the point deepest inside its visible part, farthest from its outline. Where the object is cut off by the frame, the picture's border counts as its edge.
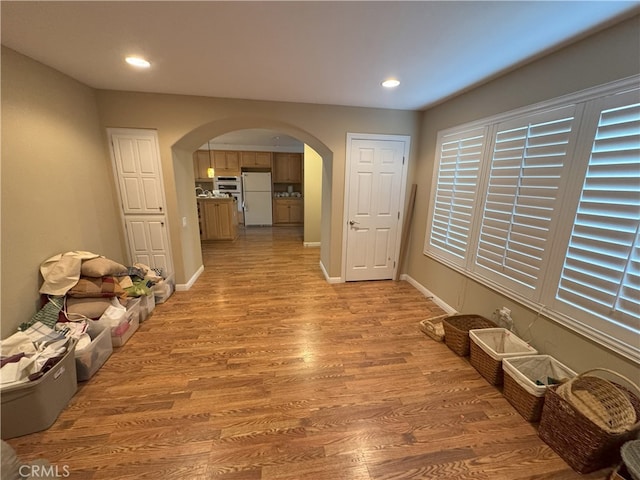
(138, 62)
(391, 83)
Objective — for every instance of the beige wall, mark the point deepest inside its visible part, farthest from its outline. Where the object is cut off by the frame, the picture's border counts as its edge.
(186, 122)
(607, 56)
(312, 195)
(57, 187)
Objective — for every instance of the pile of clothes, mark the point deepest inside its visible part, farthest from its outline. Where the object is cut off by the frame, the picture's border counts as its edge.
(79, 287)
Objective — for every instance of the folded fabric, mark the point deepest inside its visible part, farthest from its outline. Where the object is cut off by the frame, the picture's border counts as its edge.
(132, 272)
(17, 343)
(18, 372)
(40, 334)
(62, 271)
(96, 287)
(48, 314)
(89, 307)
(125, 281)
(101, 267)
(140, 288)
(72, 329)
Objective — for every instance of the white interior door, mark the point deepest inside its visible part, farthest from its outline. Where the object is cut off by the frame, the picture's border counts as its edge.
(375, 186)
(149, 242)
(137, 164)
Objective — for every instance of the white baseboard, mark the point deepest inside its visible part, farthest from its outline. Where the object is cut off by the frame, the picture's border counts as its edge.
(183, 287)
(430, 295)
(311, 244)
(327, 277)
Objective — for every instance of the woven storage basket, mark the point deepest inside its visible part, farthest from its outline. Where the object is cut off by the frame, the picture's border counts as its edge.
(433, 328)
(489, 346)
(456, 331)
(520, 387)
(581, 442)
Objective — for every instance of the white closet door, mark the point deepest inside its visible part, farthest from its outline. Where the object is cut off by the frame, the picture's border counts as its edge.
(138, 173)
(149, 241)
(137, 164)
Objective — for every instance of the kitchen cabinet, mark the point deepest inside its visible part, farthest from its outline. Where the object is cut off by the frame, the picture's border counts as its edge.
(201, 162)
(288, 211)
(226, 162)
(255, 159)
(287, 168)
(218, 218)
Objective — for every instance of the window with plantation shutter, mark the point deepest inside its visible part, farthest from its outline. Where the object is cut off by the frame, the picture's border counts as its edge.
(601, 272)
(542, 205)
(456, 186)
(522, 197)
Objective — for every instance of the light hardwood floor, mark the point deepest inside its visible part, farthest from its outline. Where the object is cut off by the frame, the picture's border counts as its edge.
(265, 371)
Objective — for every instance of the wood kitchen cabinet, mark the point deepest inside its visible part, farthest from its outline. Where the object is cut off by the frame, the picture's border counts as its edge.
(201, 162)
(226, 162)
(287, 167)
(218, 218)
(288, 211)
(255, 159)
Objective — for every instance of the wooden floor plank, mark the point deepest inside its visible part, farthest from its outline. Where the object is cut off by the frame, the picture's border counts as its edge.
(264, 371)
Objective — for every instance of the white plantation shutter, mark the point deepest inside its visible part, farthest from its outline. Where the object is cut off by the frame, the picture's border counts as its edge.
(601, 273)
(527, 166)
(542, 205)
(458, 160)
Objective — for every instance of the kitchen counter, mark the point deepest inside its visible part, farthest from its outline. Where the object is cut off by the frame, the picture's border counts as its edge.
(218, 217)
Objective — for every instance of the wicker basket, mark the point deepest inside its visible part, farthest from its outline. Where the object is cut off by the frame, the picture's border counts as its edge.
(489, 346)
(433, 328)
(577, 439)
(520, 388)
(456, 331)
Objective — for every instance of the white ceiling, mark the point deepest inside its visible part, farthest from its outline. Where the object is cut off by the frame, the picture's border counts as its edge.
(299, 51)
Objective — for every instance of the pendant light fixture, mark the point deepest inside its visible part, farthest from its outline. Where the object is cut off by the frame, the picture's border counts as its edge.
(210, 171)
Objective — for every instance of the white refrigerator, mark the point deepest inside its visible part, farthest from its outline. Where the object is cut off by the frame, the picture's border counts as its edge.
(256, 191)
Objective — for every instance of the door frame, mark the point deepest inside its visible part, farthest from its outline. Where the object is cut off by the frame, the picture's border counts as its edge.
(406, 139)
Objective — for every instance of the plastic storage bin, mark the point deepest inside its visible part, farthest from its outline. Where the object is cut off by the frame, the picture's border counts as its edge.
(34, 406)
(490, 346)
(120, 335)
(147, 304)
(164, 289)
(91, 358)
(520, 377)
(133, 308)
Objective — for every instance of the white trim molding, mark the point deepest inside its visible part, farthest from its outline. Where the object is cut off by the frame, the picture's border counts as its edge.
(327, 277)
(311, 244)
(430, 295)
(183, 287)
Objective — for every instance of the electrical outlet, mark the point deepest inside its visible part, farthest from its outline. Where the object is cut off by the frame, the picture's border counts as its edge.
(184, 221)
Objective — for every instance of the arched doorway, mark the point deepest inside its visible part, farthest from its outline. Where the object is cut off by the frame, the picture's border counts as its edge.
(186, 239)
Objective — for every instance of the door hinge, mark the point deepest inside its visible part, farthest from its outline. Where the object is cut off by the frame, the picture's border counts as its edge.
(398, 215)
(394, 264)
(403, 160)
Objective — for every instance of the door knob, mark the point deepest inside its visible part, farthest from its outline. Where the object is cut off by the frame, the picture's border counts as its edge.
(353, 222)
